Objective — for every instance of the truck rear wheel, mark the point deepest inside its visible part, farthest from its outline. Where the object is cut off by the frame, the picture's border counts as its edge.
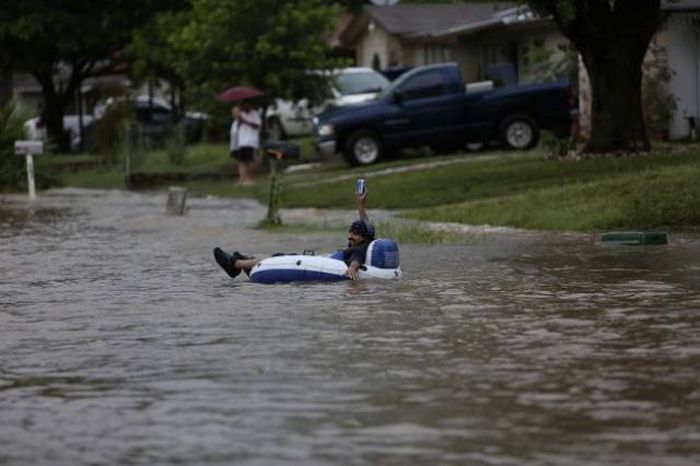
(363, 147)
(519, 132)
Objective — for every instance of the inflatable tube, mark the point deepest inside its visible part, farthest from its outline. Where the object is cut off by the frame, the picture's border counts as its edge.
(382, 263)
(298, 267)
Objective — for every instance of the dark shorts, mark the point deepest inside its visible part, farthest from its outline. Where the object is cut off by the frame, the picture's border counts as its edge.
(244, 154)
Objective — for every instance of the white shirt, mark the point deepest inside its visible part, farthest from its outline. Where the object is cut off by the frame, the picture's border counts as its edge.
(247, 135)
(233, 132)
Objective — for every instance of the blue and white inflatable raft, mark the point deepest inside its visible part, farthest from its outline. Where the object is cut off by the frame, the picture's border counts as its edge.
(382, 262)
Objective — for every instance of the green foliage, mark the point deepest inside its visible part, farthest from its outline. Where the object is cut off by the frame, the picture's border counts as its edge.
(667, 198)
(546, 68)
(268, 44)
(131, 145)
(662, 197)
(448, 1)
(77, 37)
(175, 144)
(555, 146)
(563, 10)
(107, 131)
(11, 166)
(151, 55)
(657, 101)
(405, 232)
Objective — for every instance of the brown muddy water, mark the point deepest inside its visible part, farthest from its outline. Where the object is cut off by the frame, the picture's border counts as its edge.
(121, 342)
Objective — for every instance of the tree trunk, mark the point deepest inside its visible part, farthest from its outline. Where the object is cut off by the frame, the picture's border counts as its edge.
(5, 87)
(612, 38)
(55, 103)
(52, 115)
(617, 121)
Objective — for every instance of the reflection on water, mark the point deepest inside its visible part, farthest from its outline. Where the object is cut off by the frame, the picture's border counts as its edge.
(121, 342)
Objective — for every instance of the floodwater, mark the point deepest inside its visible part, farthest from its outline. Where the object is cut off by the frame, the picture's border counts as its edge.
(121, 342)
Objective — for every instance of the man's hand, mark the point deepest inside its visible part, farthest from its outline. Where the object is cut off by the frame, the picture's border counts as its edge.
(352, 270)
(361, 202)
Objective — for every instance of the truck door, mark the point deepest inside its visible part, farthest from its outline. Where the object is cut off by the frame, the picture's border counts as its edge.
(430, 110)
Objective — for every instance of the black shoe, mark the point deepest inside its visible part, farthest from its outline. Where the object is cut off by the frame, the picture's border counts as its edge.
(226, 262)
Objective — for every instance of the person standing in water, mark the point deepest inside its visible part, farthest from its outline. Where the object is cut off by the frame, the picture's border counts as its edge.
(248, 123)
(233, 136)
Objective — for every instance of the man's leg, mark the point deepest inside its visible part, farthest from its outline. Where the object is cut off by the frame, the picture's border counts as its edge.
(250, 169)
(234, 263)
(246, 264)
(242, 172)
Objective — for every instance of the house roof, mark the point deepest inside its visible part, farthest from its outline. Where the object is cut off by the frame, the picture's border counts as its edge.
(414, 18)
(517, 16)
(680, 5)
(523, 16)
(341, 24)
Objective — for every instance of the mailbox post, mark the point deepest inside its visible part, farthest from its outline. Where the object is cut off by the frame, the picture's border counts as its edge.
(29, 149)
(280, 154)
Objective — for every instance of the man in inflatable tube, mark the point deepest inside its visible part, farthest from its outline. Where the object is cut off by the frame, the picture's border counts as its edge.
(360, 234)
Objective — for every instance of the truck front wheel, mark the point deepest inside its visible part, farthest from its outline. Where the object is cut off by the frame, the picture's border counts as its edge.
(519, 132)
(363, 148)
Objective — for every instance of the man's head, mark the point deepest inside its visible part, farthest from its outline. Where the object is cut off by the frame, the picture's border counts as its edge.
(360, 231)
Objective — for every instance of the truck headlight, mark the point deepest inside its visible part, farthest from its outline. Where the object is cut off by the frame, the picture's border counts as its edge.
(326, 130)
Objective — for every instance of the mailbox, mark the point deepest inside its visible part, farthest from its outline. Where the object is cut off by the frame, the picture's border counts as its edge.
(29, 148)
(282, 150)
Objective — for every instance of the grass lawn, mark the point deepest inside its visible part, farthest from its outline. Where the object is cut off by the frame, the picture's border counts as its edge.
(658, 190)
(646, 198)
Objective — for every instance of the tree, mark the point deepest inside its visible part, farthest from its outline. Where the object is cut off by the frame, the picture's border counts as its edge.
(11, 166)
(269, 44)
(152, 57)
(74, 37)
(612, 37)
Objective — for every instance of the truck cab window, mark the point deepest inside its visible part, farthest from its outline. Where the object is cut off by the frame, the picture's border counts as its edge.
(428, 84)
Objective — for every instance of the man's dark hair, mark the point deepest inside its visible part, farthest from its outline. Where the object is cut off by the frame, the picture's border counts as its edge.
(362, 228)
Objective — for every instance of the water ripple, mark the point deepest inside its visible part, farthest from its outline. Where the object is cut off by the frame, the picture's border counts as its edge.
(122, 343)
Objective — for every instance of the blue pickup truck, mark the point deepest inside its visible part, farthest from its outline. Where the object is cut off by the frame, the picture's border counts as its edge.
(429, 106)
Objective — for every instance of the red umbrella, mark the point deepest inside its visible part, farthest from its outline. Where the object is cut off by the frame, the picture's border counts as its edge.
(238, 93)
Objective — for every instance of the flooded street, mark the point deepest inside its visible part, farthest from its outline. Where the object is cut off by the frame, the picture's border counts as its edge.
(122, 342)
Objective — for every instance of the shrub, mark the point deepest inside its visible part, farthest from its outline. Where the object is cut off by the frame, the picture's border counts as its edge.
(175, 144)
(12, 174)
(108, 131)
(130, 145)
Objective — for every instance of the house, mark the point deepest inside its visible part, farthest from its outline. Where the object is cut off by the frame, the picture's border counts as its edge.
(671, 76)
(398, 36)
(27, 93)
(487, 40)
(507, 42)
(680, 36)
(513, 45)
